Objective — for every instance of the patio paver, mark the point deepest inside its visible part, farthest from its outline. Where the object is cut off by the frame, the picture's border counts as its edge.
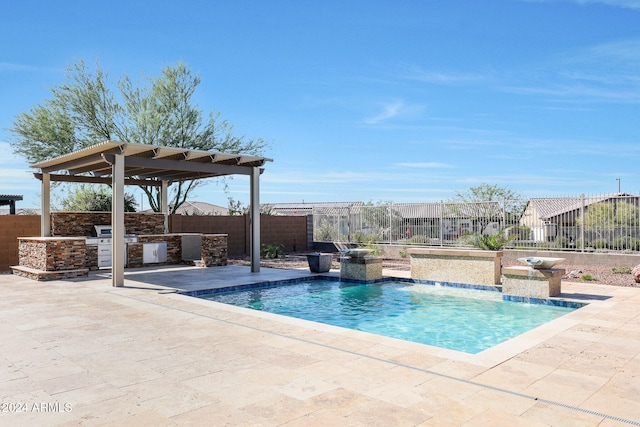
(80, 352)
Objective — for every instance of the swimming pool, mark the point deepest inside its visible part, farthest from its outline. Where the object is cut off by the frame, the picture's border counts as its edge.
(460, 319)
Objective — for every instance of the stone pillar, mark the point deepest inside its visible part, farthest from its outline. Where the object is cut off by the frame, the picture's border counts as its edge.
(361, 268)
(527, 282)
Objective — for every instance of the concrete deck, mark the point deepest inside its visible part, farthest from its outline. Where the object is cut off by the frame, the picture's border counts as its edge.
(79, 352)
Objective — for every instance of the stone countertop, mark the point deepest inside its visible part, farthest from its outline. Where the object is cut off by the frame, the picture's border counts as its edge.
(52, 238)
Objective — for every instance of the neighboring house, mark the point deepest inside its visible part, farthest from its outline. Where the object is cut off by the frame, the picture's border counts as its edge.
(20, 211)
(549, 218)
(450, 219)
(199, 208)
(303, 209)
(343, 217)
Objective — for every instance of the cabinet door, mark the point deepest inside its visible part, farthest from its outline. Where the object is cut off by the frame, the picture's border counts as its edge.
(154, 253)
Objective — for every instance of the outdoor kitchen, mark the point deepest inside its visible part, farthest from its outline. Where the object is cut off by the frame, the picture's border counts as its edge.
(82, 241)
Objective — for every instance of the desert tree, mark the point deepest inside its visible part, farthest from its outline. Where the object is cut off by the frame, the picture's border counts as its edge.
(86, 109)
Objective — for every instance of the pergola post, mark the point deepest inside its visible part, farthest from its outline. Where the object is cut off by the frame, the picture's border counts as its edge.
(117, 221)
(164, 203)
(45, 206)
(254, 209)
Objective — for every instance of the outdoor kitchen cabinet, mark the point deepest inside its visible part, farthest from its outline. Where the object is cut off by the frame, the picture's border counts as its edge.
(153, 253)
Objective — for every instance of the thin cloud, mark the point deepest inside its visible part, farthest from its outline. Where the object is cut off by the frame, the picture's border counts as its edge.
(391, 110)
(13, 67)
(436, 77)
(425, 165)
(624, 4)
(577, 92)
(623, 53)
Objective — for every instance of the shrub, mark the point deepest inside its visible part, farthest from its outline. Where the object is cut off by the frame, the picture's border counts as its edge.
(588, 277)
(271, 250)
(563, 243)
(587, 244)
(600, 244)
(494, 242)
(621, 270)
(627, 242)
(418, 239)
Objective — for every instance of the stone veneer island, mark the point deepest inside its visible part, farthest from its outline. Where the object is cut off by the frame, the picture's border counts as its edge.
(59, 257)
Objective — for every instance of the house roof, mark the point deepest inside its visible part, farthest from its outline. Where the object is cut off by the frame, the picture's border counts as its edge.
(303, 208)
(468, 210)
(547, 208)
(201, 208)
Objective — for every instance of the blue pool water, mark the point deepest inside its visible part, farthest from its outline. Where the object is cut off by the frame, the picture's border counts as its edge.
(460, 319)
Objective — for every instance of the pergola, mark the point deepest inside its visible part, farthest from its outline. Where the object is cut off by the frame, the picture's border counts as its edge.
(122, 163)
(11, 201)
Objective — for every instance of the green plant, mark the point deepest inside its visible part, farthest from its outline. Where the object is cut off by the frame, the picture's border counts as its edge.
(626, 242)
(561, 243)
(375, 249)
(366, 239)
(588, 277)
(326, 232)
(621, 270)
(271, 250)
(579, 244)
(403, 254)
(494, 242)
(600, 244)
(418, 239)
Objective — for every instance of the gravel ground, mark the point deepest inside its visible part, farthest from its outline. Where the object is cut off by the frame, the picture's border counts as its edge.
(575, 273)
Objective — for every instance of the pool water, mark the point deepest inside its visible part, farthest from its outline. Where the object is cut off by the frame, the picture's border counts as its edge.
(460, 319)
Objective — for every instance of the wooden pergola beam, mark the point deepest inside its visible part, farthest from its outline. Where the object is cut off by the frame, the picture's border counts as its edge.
(99, 180)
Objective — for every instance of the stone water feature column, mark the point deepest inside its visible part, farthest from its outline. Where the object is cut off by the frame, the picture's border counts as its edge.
(356, 265)
(536, 280)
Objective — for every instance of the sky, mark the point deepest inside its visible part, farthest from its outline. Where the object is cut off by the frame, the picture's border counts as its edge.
(402, 101)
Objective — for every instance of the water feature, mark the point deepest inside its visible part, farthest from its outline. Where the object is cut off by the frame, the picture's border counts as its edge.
(537, 280)
(358, 264)
(541, 263)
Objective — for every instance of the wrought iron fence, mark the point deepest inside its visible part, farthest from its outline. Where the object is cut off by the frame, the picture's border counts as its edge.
(594, 223)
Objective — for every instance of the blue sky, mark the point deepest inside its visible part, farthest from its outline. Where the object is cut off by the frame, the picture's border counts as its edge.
(403, 101)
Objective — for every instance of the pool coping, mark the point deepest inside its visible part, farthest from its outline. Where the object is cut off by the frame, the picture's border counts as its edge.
(552, 301)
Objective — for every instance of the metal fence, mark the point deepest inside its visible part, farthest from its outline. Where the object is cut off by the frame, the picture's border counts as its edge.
(608, 223)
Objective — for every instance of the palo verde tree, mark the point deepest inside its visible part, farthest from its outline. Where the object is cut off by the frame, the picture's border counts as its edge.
(87, 109)
(87, 198)
(486, 203)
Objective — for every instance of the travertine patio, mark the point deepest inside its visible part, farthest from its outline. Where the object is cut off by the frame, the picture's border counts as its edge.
(80, 352)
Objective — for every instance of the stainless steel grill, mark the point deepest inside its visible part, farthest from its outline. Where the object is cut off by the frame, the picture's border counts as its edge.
(104, 241)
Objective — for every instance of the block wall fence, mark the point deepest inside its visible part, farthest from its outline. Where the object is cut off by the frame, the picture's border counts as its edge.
(12, 227)
(289, 231)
